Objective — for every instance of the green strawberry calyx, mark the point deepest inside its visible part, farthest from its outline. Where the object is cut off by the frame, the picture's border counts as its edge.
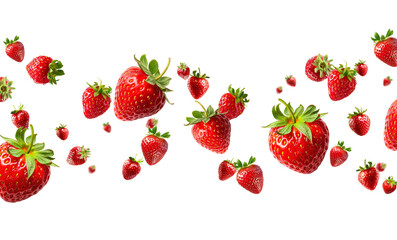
(322, 65)
(204, 116)
(84, 153)
(61, 126)
(360, 62)
(345, 71)
(153, 132)
(55, 70)
(391, 181)
(366, 166)
(239, 165)
(5, 88)
(93, 167)
(288, 77)
(30, 149)
(17, 110)
(182, 66)
(359, 111)
(389, 78)
(198, 74)
(10, 41)
(106, 124)
(342, 146)
(239, 95)
(100, 89)
(134, 159)
(377, 38)
(294, 118)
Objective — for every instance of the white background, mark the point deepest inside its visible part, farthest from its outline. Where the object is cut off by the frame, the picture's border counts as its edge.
(251, 44)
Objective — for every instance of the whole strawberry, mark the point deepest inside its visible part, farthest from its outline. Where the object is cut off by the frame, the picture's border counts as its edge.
(15, 49)
(91, 169)
(232, 104)
(20, 117)
(198, 84)
(131, 168)
(390, 133)
(381, 167)
(78, 155)
(339, 154)
(299, 139)
(318, 67)
(359, 122)
(386, 48)
(361, 68)
(249, 176)
(210, 129)
(368, 176)
(43, 70)
(387, 81)
(183, 71)
(5, 89)
(389, 185)
(151, 122)
(279, 90)
(140, 91)
(24, 166)
(291, 80)
(226, 170)
(62, 132)
(96, 100)
(341, 82)
(107, 127)
(154, 146)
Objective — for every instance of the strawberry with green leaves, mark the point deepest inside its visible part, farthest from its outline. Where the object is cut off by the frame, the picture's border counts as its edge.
(387, 81)
(341, 82)
(198, 84)
(368, 176)
(20, 117)
(389, 185)
(78, 155)
(15, 49)
(232, 104)
(359, 122)
(381, 166)
(183, 71)
(249, 175)
(62, 132)
(386, 48)
(151, 122)
(279, 90)
(107, 127)
(154, 146)
(131, 168)
(291, 80)
(339, 154)
(43, 70)
(96, 100)
(226, 170)
(361, 68)
(5, 89)
(318, 67)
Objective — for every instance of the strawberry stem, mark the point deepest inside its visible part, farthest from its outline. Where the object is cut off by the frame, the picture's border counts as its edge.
(31, 139)
(205, 111)
(289, 109)
(165, 70)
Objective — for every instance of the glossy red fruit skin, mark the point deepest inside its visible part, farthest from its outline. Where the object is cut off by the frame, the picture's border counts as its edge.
(20, 119)
(197, 86)
(295, 151)
(62, 133)
(339, 89)
(360, 124)
(338, 156)
(387, 188)
(74, 157)
(251, 178)
(386, 82)
(309, 70)
(390, 133)
(1, 96)
(135, 98)
(213, 135)
(228, 105)
(14, 184)
(91, 169)
(153, 149)
(362, 69)
(130, 169)
(369, 178)
(291, 81)
(386, 51)
(184, 73)
(379, 167)
(226, 170)
(16, 51)
(279, 90)
(38, 69)
(107, 128)
(94, 106)
(151, 122)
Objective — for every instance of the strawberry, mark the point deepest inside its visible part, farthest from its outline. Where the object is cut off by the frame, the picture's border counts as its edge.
(24, 166)
(154, 146)
(15, 49)
(249, 176)
(361, 68)
(389, 185)
(151, 122)
(44, 70)
(232, 104)
(226, 170)
(386, 48)
(318, 67)
(140, 92)
(390, 133)
(368, 176)
(291, 80)
(5, 89)
(62, 132)
(381, 167)
(96, 100)
(131, 168)
(359, 122)
(91, 169)
(279, 90)
(183, 71)
(341, 82)
(78, 155)
(198, 84)
(299, 139)
(107, 127)
(20, 117)
(339, 154)
(387, 81)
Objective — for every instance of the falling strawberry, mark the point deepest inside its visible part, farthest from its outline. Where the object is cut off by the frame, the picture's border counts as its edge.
(91, 169)
(15, 49)
(44, 70)
(341, 82)
(96, 100)
(232, 104)
(291, 80)
(381, 167)
(339, 154)
(249, 176)
(151, 122)
(390, 133)
(386, 48)
(20, 117)
(78, 155)
(183, 71)
(389, 185)
(154, 146)
(107, 127)
(361, 68)
(359, 122)
(198, 84)
(131, 168)
(5, 89)
(368, 176)
(318, 68)
(226, 170)
(279, 90)
(299, 139)
(62, 132)
(387, 81)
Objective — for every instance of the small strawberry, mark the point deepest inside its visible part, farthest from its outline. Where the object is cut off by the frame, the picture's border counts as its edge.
(96, 100)
(107, 127)
(15, 49)
(318, 67)
(339, 154)
(62, 132)
(198, 84)
(226, 170)
(341, 82)
(359, 122)
(368, 176)
(78, 155)
(390, 133)
(91, 169)
(291, 80)
(183, 71)
(5, 89)
(44, 70)
(389, 185)
(154, 146)
(387, 81)
(131, 168)
(361, 68)
(210, 129)
(381, 167)
(20, 117)
(232, 104)
(279, 90)
(386, 48)
(151, 122)
(249, 176)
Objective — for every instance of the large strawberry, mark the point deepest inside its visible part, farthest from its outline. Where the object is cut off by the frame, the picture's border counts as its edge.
(318, 67)
(154, 146)
(211, 129)
(96, 100)
(368, 176)
(15, 49)
(341, 82)
(24, 166)
(198, 84)
(232, 104)
(298, 139)
(249, 175)
(386, 48)
(140, 91)
(5, 89)
(390, 133)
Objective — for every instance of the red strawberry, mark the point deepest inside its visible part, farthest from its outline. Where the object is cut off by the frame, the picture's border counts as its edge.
(390, 133)
(5, 89)
(318, 68)
(20, 117)
(198, 84)
(96, 100)
(211, 129)
(140, 92)
(291, 80)
(183, 71)
(232, 104)
(24, 166)
(389, 185)
(387, 81)
(359, 122)
(381, 167)
(279, 90)
(341, 82)
(361, 68)
(386, 48)
(339, 154)
(131, 168)
(91, 169)
(15, 49)
(62, 132)
(44, 70)
(78, 155)
(151, 122)
(368, 176)
(154, 146)
(250, 176)
(299, 139)
(107, 127)
(226, 170)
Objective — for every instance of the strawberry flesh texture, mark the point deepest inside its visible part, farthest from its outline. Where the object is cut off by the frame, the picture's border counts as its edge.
(20, 119)
(16, 51)
(362, 69)
(360, 124)
(226, 170)
(387, 188)
(94, 106)
(130, 169)
(74, 157)
(62, 133)
(38, 69)
(197, 86)
(339, 89)
(338, 156)
(153, 149)
(369, 178)
(310, 73)
(228, 105)
(390, 133)
(386, 51)
(251, 178)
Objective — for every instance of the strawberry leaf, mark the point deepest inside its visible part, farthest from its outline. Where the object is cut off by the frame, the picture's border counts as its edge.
(304, 129)
(154, 67)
